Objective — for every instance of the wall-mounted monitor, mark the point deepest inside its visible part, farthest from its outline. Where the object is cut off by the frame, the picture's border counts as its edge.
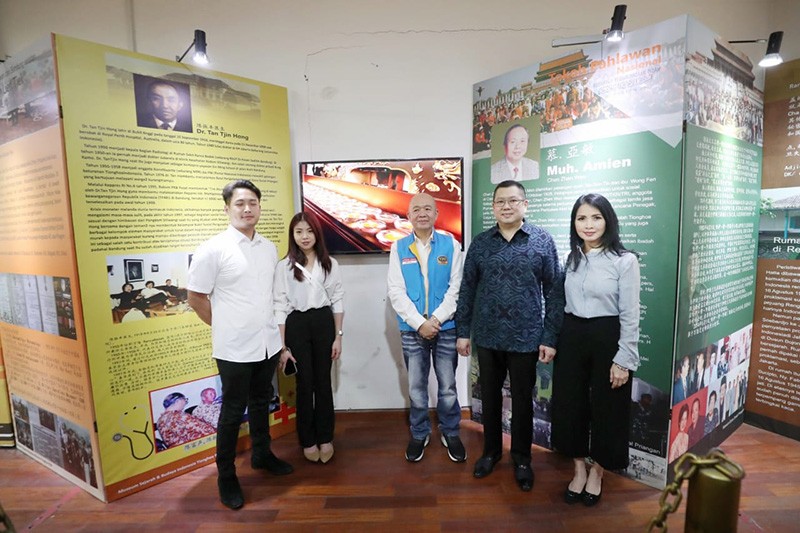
(363, 205)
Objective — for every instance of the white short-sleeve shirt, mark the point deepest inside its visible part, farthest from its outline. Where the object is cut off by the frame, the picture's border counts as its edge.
(237, 274)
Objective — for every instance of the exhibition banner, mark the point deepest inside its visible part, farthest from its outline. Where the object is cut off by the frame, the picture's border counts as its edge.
(93, 367)
(719, 225)
(609, 119)
(41, 325)
(717, 289)
(6, 425)
(605, 119)
(772, 403)
(149, 145)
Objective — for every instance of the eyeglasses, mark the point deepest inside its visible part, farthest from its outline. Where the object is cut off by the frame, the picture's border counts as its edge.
(511, 202)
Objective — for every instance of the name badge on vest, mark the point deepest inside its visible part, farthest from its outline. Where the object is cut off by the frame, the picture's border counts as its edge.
(409, 260)
(442, 259)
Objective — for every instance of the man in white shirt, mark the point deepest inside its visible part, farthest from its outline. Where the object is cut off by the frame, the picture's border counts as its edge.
(424, 279)
(230, 288)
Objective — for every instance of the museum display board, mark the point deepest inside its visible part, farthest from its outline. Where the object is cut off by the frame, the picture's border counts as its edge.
(105, 206)
(610, 118)
(773, 402)
(6, 426)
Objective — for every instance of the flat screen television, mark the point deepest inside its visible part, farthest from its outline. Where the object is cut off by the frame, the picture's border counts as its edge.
(363, 205)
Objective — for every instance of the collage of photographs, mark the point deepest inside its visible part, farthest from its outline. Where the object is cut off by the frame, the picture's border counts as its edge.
(40, 303)
(709, 389)
(56, 439)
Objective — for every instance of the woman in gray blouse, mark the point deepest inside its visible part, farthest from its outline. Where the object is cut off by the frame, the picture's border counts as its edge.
(597, 350)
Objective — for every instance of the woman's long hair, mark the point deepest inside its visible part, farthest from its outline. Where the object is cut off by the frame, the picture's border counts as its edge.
(610, 239)
(296, 255)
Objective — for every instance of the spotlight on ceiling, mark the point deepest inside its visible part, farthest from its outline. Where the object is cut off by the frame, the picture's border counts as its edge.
(613, 34)
(773, 55)
(199, 45)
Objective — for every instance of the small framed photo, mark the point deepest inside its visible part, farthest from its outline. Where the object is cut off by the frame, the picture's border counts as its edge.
(153, 268)
(134, 270)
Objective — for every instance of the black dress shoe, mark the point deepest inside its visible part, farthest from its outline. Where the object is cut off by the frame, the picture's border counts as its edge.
(523, 475)
(572, 497)
(230, 492)
(590, 500)
(271, 464)
(485, 465)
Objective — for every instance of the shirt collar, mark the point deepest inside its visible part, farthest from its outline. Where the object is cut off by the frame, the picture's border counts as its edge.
(159, 122)
(527, 228)
(512, 166)
(425, 242)
(240, 237)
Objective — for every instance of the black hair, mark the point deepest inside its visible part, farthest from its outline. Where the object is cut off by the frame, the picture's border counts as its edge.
(610, 239)
(172, 398)
(166, 83)
(512, 128)
(508, 183)
(297, 256)
(227, 191)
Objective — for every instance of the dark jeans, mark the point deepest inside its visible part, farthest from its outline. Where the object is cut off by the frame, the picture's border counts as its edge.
(521, 369)
(310, 334)
(244, 386)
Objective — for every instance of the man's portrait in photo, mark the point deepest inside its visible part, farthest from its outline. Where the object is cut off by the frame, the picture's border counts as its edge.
(515, 165)
(162, 104)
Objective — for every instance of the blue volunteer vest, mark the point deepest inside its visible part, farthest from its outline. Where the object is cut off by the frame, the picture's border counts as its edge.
(440, 261)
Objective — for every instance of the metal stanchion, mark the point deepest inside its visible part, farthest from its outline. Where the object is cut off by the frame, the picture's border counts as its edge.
(712, 500)
(5, 522)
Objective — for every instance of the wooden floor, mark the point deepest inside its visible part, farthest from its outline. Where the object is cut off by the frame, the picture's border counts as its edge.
(369, 486)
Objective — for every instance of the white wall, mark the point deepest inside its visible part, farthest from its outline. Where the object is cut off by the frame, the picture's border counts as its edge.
(373, 78)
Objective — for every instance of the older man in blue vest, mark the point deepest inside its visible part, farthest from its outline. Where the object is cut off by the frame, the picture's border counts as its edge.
(424, 279)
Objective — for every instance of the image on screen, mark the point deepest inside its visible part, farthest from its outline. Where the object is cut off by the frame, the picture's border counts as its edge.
(363, 205)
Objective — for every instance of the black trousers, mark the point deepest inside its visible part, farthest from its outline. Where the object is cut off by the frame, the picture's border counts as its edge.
(244, 386)
(310, 334)
(590, 419)
(521, 369)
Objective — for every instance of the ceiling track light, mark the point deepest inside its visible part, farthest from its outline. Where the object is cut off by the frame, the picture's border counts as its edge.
(199, 45)
(773, 55)
(613, 34)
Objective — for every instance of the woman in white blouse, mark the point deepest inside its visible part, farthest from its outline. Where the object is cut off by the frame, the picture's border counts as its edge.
(309, 312)
(597, 349)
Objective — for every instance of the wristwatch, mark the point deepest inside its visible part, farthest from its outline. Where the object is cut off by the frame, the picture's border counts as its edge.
(340, 333)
